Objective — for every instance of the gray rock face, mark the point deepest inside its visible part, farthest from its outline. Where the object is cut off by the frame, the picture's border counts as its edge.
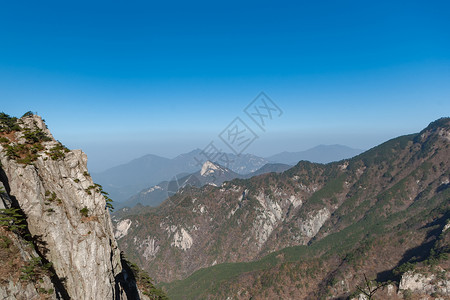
(68, 214)
(11, 289)
(426, 284)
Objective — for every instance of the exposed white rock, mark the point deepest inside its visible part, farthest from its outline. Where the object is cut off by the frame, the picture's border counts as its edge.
(152, 189)
(446, 227)
(16, 291)
(296, 202)
(270, 214)
(208, 168)
(311, 226)
(182, 239)
(263, 227)
(151, 248)
(390, 289)
(361, 297)
(344, 165)
(122, 228)
(233, 211)
(270, 205)
(444, 133)
(425, 283)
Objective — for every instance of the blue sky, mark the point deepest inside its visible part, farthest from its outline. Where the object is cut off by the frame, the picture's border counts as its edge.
(122, 79)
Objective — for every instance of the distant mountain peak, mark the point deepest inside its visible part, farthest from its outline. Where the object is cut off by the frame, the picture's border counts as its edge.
(209, 168)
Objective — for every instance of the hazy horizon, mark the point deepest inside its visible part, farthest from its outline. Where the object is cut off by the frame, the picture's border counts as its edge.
(121, 80)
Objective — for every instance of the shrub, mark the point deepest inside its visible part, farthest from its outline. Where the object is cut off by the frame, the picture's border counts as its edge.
(8, 123)
(5, 242)
(143, 280)
(34, 270)
(84, 212)
(108, 200)
(58, 151)
(12, 151)
(28, 114)
(35, 136)
(12, 219)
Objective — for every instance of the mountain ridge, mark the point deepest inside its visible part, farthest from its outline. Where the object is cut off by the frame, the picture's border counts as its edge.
(129, 179)
(156, 194)
(309, 206)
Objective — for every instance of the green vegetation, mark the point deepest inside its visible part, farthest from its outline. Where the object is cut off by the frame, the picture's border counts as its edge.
(35, 269)
(143, 280)
(383, 153)
(343, 243)
(13, 219)
(51, 197)
(44, 291)
(58, 151)
(331, 188)
(25, 153)
(108, 200)
(211, 278)
(97, 188)
(35, 136)
(8, 123)
(395, 187)
(28, 114)
(5, 242)
(84, 212)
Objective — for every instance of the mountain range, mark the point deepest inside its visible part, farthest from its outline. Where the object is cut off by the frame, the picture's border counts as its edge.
(374, 226)
(210, 173)
(125, 181)
(375, 223)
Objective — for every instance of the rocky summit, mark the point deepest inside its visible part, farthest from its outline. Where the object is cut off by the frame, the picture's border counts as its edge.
(56, 238)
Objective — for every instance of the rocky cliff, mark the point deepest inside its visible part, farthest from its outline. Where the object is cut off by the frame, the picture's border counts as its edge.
(67, 217)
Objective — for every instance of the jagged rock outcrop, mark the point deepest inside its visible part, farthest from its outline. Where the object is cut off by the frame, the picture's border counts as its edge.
(65, 211)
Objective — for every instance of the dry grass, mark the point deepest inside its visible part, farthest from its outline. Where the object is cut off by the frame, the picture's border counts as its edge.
(12, 262)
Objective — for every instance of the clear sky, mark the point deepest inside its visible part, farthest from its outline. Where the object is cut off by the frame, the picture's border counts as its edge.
(123, 79)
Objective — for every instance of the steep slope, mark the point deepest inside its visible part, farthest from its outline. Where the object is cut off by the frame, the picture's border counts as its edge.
(67, 218)
(329, 207)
